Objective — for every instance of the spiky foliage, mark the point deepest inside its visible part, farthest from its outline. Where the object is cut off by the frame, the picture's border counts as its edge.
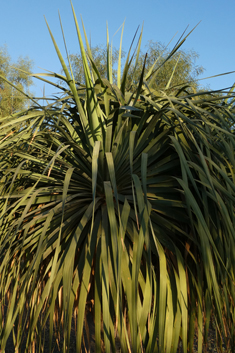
(121, 202)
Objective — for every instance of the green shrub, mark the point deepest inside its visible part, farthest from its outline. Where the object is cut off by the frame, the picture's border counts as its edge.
(121, 203)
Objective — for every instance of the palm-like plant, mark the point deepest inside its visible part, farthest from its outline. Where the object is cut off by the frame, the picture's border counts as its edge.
(123, 201)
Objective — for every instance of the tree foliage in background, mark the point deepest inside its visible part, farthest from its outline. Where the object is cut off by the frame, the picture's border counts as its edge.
(99, 54)
(12, 99)
(118, 203)
(185, 62)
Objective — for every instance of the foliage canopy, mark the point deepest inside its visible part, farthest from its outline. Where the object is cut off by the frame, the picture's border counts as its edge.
(184, 61)
(13, 99)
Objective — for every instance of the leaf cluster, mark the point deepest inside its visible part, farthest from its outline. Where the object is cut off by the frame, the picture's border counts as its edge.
(184, 61)
(118, 204)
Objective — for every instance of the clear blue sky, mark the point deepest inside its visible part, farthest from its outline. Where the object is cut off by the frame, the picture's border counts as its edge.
(24, 31)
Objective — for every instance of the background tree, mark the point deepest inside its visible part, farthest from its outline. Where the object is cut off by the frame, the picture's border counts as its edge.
(11, 100)
(182, 65)
(99, 54)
